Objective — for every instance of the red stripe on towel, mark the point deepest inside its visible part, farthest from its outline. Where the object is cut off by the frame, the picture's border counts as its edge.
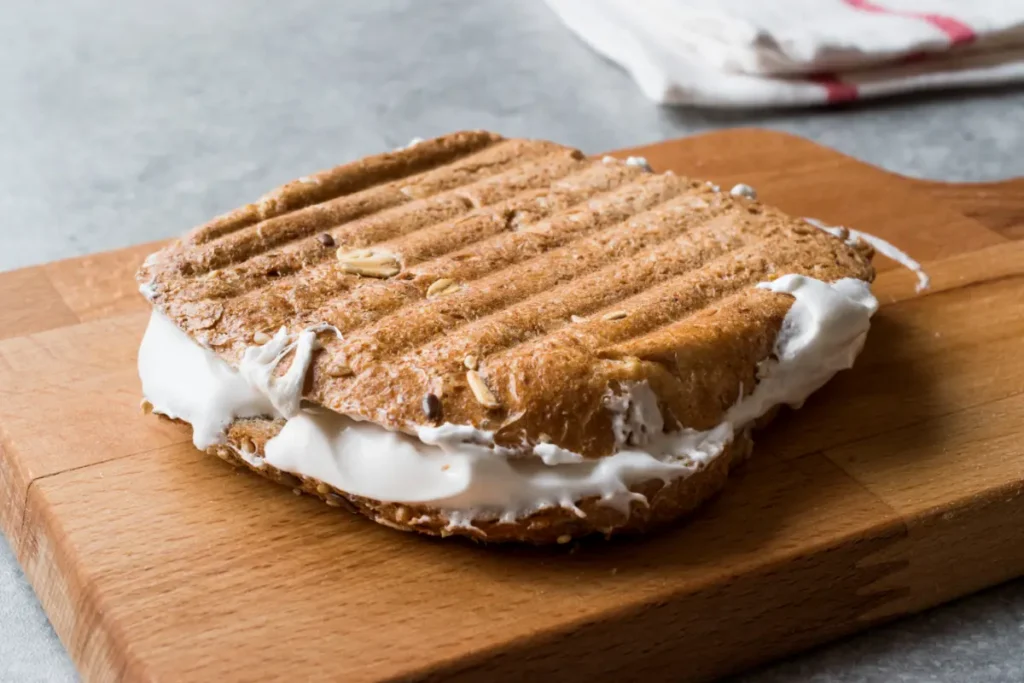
(835, 90)
(957, 31)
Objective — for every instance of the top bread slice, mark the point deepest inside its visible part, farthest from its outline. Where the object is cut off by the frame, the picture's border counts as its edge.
(517, 281)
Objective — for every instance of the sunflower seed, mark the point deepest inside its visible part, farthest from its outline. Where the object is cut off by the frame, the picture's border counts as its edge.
(480, 391)
(442, 287)
(381, 272)
(369, 263)
(340, 370)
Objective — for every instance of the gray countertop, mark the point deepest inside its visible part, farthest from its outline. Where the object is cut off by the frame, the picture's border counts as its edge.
(124, 122)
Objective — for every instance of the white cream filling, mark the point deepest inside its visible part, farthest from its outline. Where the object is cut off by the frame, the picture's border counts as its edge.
(456, 468)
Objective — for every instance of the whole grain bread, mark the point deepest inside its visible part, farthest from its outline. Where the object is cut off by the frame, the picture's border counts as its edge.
(516, 281)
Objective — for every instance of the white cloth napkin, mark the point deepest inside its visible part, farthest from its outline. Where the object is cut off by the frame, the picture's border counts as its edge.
(757, 53)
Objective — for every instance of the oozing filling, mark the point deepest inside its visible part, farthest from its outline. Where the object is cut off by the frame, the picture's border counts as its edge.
(456, 468)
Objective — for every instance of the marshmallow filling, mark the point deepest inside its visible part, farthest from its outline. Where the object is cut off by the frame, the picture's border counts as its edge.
(457, 469)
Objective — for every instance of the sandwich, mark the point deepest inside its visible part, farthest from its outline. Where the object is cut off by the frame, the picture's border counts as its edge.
(499, 338)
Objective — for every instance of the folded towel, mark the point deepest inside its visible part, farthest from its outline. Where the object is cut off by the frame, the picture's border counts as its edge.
(754, 53)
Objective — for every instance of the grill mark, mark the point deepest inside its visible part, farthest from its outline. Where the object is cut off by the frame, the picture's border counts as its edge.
(505, 249)
(484, 164)
(250, 241)
(367, 228)
(439, 239)
(321, 294)
(606, 289)
(652, 344)
(655, 292)
(512, 287)
(534, 238)
(655, 309)
(648, 309)
(346, 179)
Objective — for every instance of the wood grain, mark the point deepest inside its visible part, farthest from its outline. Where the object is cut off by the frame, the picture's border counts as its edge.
(31, 303)
(101, 285)
(897, 487)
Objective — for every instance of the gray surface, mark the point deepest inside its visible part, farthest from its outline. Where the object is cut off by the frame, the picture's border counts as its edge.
(128, 121)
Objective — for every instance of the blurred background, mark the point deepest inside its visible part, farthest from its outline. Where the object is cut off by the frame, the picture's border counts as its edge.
(124, 122)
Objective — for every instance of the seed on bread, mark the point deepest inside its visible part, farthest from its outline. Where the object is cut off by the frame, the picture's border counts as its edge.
(340, 369)
(481, 392)
(369, 263)
(614, 315)
(442, 287)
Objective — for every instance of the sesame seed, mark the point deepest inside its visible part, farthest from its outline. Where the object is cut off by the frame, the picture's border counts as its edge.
(614, 315)
(743, 190)
(639, 162)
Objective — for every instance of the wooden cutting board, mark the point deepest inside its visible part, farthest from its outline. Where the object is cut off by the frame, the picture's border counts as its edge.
(897, 487)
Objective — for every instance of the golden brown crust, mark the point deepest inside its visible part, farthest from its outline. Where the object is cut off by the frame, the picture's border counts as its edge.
(666, 503)
(566, 276)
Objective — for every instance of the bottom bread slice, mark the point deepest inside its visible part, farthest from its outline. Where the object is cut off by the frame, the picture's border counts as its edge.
(665, 502)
